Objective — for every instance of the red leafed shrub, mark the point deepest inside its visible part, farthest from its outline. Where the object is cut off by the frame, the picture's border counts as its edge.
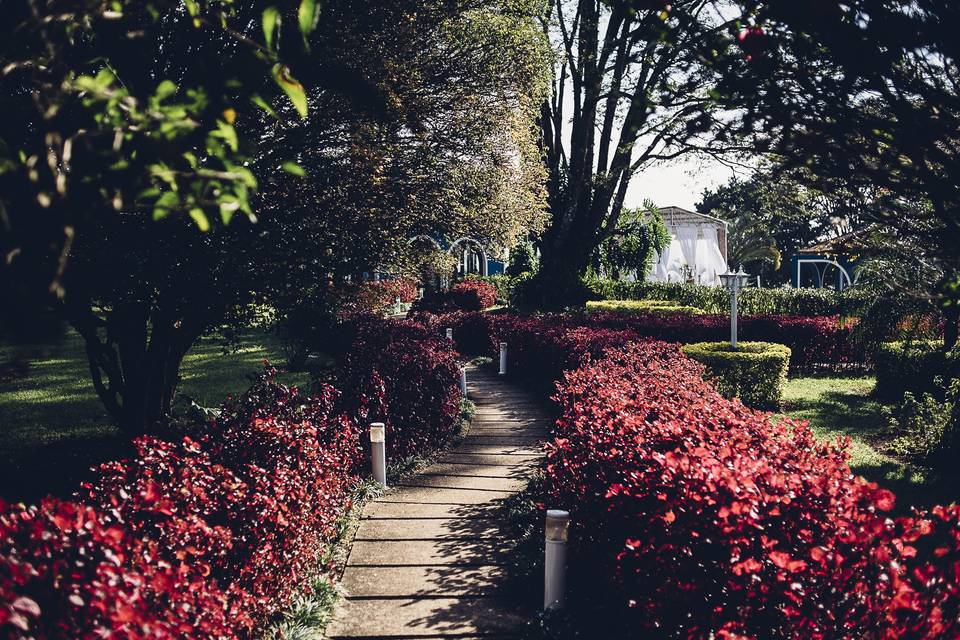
(403, 288)
(371, 297)
(473, 295)
(68, 570)
(717, 524)
(402, 374)
(468, 295)
(815, 342)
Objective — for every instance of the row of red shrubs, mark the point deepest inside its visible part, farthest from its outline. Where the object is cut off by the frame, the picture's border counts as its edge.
(815, 342)
(707, 520)
(467, 295)
(209, 534)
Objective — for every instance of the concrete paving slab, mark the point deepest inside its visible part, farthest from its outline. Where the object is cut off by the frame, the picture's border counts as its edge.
(509, 485)
(498, 450)
(487, 458)
(432, 529)
(416, 581)
(428, 511)
(443, 496)
(399, 553)
(480, 470)
(424, 618)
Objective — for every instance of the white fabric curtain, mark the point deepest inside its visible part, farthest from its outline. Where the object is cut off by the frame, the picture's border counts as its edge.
(710, 262)
(696, 246)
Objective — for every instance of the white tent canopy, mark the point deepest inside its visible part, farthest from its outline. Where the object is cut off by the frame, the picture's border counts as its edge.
(697, 251)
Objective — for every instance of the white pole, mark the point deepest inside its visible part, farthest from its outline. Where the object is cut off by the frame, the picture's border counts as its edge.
(503, 358)
(378, 452)
(555, 560)
(733, 319)
(449, 333)
(463, 381)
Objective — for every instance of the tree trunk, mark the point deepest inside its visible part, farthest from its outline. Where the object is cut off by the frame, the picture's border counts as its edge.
(135, 360)
(951, 328)
(564, 258)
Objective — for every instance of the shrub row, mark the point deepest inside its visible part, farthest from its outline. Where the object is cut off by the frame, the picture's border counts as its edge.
(914, 367)
(705, 519)
(753, 301)
(468, 295)
(641, 306)
(207, 535)
(815, 343)
(717, 524)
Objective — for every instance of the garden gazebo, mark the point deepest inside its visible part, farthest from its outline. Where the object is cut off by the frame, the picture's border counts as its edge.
(832, 263)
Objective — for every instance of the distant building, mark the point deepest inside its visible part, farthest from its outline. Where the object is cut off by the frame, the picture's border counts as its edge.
(697, 251)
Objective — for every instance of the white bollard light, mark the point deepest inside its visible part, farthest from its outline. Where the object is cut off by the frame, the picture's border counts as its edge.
(503, 358)
(449, 333)
(378, 452)
(398, 304)
(463, 381)
(555, 562)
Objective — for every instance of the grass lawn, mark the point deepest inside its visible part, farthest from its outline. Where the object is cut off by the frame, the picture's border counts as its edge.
(53, 426)
(843, 406)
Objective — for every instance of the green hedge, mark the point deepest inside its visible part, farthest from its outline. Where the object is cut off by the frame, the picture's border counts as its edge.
(752, 301)
(756, 372)
(913, 366)
(641, 306)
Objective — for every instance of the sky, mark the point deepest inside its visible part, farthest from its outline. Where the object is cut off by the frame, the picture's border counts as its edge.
(679, 183)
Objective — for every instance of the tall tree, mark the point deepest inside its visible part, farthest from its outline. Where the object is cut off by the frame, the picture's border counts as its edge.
(867, 92)
(630, 89)
(406, 102)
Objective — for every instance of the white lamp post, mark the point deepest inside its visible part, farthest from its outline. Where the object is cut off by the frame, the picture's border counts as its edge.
(503, 358)
(378, 452)
(449, 333)
(555, 561)
(733, 282)
(463, 381)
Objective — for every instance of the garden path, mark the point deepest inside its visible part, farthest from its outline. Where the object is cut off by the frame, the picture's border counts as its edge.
(429, 556)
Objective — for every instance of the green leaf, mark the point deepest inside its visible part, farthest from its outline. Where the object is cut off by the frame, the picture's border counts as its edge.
(290, 86)
(226, 133)
(294, 169)
(192, 7)
(167, 202)
(271, 21)
(164, 90)
(307, 15)
(200, 218)
(263, 104)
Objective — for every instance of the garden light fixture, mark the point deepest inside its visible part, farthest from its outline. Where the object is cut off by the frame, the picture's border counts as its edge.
(503, 358)
(449, 333)
(378, 452)
(463, 381)
(555, 560)
(733, 282)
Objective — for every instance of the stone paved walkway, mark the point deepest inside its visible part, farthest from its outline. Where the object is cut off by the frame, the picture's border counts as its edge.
(428, 558)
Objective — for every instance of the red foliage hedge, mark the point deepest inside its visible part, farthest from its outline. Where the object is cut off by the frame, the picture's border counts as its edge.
(406, 376)
(816, 342)
(468, 295)
(207, 535)
(707, 520)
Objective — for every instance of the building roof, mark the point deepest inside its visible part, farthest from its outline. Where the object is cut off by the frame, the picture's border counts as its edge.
(678, 215)
(851, 242)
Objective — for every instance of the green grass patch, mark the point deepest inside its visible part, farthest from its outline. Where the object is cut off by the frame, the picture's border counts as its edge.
(845, 407)
(53, 426)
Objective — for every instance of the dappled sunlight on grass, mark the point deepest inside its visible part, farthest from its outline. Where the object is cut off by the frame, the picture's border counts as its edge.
(839, 407)
(53, 426)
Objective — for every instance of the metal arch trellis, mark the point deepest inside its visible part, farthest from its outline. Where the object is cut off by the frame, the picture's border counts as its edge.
(820, 273)
(483, 252)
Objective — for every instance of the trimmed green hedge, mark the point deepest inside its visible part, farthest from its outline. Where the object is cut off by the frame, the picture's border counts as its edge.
(641, 306)
(752, 301)
(756, 372)
(913, 366)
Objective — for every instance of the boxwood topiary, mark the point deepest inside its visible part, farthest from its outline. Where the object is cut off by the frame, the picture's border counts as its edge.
(914, 366)
(756, 372)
